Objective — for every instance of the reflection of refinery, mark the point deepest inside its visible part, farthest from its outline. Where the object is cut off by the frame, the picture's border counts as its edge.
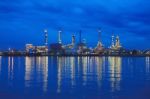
(87, 66)
(36, 66)
(115, 72)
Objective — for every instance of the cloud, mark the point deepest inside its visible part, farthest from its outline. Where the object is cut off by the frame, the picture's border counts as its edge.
(121, 16)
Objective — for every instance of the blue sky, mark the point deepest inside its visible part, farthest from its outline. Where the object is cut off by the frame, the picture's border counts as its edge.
(23, 21)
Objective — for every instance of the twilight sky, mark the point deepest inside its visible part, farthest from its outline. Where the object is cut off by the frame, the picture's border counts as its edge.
(23, 21)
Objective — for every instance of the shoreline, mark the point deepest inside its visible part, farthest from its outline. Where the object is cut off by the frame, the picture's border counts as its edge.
(76, 55)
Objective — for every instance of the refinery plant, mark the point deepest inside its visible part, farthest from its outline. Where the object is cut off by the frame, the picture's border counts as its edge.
(75, 48)
(80, 47)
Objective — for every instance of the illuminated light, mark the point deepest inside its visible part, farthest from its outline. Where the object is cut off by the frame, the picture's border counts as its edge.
(79, 61)
(28, 68)
(104, 62)
(99, 63)
(46, 37)
(45, 30)
(85, 68)
(61, 63)
(38, 61)
(90, 64)
(12, 63)
(40, 68)
(112, 71)
(45, 72)
(115, 72)
(0, 63)
(10, 68)
(59, 37)
(9, 63)
(72, 65)
(59, 74)
(147, 64)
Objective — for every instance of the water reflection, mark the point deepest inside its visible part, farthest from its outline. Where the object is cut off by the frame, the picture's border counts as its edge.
(92, 69)
(115, 72)
(10, 68)
(0, 64)
(87, 70)
(147, 64)
(59, 74)
(100, 64)
(71, 71)
(73, 76)
(36, 70)
(66, 71)
(72, 65)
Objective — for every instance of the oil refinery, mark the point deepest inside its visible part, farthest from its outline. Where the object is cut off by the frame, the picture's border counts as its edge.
(76, 48)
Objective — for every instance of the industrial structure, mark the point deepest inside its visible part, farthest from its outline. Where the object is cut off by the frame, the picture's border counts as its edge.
(75, 48)
(99, 49)
(30, 48)
(115, 44)
(79, 47)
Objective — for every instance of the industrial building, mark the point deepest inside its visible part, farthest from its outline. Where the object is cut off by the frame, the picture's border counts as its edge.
(30, 48)
(57, 48)
(115, 44)
(76, 48)
(99, 49)
(79, 47)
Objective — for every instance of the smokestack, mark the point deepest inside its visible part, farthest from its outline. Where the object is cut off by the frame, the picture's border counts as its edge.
(73, 39)
(59, 37)
(46, 37)
(99, 35)
(113, 44)
(117, 41)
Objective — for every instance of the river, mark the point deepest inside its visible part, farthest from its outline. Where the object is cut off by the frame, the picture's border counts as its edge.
(74, 77)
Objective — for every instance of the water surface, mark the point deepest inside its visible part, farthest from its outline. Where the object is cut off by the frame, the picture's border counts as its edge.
(75, 77)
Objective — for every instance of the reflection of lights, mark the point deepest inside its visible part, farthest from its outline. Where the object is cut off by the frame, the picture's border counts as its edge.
(10, 67)
(9, 61)
(12, 62)
(104, 63)
(28, 68)
(39, 61)
(115, 72)
(90, 69)
(66, 70)
(59, 74)
(0, 63)
(45, 72)
(40, 68)
(99, 62)
(90, 64)
(79, 62)
(72, 64)
(148, 64)
(62, 63)
(85, 69)
(112, 71)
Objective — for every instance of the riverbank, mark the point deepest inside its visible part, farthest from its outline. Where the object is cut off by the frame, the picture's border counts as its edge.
(73, 55)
